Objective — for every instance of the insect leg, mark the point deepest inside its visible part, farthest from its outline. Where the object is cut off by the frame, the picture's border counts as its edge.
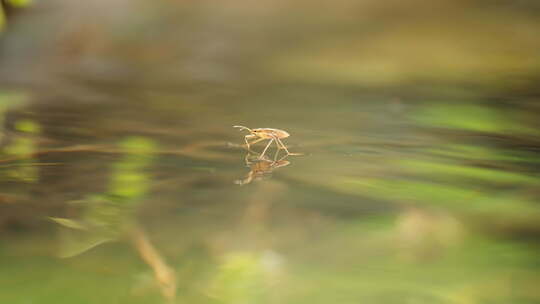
(279, 142)
(284, 147)
(256, 141)
(278, 147)
(247, 138)
(268, 145)
(247, 142)
(276, 154)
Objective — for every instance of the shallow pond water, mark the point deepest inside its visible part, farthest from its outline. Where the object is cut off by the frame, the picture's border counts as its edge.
(123, 181)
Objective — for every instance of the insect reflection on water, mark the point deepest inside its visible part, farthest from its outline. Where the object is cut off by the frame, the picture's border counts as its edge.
(260, 168)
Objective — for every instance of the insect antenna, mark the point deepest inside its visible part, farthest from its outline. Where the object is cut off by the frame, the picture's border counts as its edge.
(243, 128)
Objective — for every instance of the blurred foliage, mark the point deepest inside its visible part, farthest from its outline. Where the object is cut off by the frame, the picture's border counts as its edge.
(240, 280)
(463, 199)
(19, 3)
(14, 4)
(465, 174)
(367, 261)
(106, 215)
(10, 100)
(2, 18)
(26, 125)
(473, 117)
(129, 180)
(419, 45)
(477, 152)
(22, 146)
(22, 143)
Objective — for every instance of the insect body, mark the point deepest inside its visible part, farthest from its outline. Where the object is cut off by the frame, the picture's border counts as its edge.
(259, 134)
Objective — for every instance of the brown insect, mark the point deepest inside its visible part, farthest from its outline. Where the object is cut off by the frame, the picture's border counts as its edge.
(259, 134)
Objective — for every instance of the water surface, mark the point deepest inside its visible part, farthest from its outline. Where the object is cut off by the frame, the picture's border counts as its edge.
(120, 169)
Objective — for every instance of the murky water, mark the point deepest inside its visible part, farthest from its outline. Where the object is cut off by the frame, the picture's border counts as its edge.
(123, 181)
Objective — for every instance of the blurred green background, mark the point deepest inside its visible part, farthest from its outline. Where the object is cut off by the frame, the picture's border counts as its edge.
(418, 122)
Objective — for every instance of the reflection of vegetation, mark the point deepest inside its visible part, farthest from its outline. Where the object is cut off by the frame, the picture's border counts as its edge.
(23, 146)
(129, 181)
(456, 172)
(240, 280)
(472, 117)
(8, 101)
(110, 215)
(476, 152)
(19, 3)
(13, 3)
(106, 216)
(424, 234)
(354, 264)
(468, 117)
(419, 256)
(453, 197)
